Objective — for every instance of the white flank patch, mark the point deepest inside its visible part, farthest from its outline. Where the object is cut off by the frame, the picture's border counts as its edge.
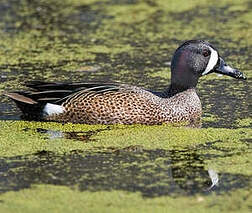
(212, 61)
(52, 109)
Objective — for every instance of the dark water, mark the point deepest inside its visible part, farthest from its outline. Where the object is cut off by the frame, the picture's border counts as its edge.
(151, 172)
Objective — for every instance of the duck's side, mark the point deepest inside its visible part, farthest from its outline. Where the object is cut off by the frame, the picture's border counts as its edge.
(107, 104)
(130, 107)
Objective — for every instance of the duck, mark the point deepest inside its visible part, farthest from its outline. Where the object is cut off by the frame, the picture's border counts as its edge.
(115, 103)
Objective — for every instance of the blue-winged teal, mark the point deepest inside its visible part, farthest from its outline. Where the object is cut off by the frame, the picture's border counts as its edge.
(94, 103)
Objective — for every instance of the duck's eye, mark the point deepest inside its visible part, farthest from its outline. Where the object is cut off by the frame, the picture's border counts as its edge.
(206, 53)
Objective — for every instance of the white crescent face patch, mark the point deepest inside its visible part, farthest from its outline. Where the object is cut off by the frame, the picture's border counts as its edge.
(212, 61)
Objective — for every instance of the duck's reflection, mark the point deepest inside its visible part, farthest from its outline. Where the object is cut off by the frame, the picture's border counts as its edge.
(190, 172)
(80, 136)
(152, 172)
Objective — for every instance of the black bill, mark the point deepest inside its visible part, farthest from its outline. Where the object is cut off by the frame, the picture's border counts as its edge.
(224, 69)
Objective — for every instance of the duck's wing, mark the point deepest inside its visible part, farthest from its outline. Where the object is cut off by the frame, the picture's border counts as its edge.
(44, 92)
(73, 87)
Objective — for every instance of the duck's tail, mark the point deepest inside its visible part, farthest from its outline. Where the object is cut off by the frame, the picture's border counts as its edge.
(31, 109)
(45, 99)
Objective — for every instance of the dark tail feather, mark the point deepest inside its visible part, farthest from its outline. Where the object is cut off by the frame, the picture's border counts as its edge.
(73, 87)
(31, 109)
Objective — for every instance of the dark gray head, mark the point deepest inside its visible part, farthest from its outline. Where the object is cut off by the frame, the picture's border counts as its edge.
(194, 59)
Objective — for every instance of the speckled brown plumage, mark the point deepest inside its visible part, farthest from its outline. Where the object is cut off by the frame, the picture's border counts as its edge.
(130, 105)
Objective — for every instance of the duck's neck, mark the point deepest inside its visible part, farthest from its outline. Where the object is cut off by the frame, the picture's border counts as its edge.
(173, 90)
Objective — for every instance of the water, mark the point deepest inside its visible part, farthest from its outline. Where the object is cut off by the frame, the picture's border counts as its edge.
(153, 173)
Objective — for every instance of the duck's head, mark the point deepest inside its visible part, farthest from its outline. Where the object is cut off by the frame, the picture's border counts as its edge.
(196, 58)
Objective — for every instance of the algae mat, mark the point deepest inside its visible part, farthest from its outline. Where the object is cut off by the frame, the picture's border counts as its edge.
(123, 168)
(81, 168)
